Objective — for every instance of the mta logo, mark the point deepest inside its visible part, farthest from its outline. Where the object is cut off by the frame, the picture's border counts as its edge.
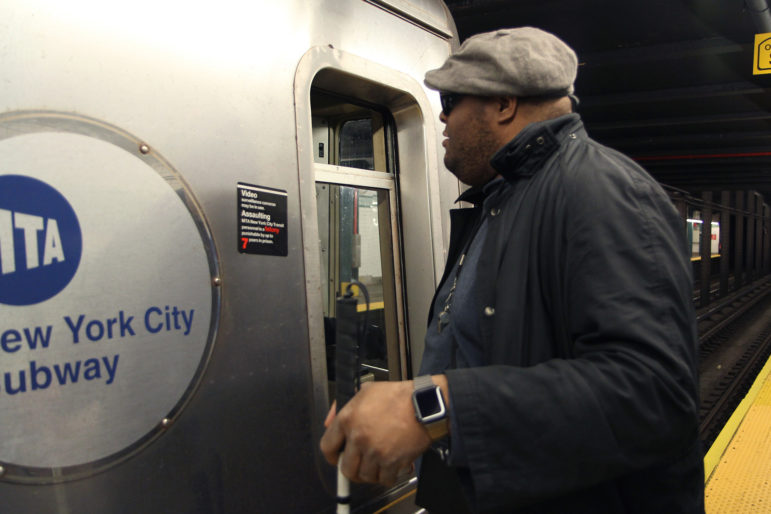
(30, 225)
(40, 241)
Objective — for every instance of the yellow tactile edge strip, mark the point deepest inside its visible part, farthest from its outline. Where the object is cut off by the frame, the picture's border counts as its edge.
(722, 441)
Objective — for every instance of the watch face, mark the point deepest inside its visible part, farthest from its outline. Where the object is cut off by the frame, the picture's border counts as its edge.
(428, 403)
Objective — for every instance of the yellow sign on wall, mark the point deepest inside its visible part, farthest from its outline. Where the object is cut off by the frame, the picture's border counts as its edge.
(762, 61)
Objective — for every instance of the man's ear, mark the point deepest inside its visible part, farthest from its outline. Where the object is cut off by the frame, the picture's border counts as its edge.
(507, 108)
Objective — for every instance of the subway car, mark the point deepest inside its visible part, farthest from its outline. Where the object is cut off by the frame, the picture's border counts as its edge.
(185, 190)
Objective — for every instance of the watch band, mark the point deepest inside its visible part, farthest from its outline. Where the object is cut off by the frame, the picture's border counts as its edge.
(423, 382)
(438, 428)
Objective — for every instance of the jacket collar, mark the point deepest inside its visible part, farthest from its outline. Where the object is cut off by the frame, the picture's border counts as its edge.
(474, 195)
(477, 194)
(523, 155)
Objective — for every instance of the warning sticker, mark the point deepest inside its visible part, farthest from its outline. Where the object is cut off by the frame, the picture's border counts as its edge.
(261, 220)
(762, 60)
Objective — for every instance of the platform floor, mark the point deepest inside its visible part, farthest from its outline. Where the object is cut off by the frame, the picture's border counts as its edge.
(738, 466)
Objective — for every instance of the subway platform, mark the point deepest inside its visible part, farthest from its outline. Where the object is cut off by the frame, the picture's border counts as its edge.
(738, 465)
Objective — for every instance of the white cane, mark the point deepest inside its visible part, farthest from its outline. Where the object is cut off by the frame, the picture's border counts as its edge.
(347, 336)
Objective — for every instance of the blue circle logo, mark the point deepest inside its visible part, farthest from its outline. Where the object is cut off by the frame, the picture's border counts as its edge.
(40, 241)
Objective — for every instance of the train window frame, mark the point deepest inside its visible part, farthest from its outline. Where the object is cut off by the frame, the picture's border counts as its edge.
(424, 199)
(338, 110)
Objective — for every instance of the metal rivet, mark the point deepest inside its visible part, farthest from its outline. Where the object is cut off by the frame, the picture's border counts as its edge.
(528, 147)
(540, 140)
(217, 281)
(144, 148)
(165, 422)
(489, 311)
(573, 136)
(494, 211)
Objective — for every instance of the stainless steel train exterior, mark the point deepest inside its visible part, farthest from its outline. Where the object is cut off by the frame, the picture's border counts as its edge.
(184, 189)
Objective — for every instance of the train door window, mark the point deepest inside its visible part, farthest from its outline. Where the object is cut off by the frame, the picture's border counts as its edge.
(695, 226)
(356, 204)
(694, 232)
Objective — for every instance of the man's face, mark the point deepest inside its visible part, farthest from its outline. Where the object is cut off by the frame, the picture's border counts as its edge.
(471, 141)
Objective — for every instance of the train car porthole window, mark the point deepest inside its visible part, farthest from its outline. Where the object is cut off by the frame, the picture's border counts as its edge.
(356, 201)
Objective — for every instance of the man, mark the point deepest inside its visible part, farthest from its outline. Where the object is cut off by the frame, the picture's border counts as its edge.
(562, 335)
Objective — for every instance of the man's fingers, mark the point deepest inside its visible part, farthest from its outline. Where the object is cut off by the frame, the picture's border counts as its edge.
(331, 442)
(376, 434)
(388, 475)
(350, 462)
(330, 414)
(369, 469)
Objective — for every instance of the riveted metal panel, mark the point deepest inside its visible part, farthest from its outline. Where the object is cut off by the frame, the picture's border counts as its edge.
(212, 88)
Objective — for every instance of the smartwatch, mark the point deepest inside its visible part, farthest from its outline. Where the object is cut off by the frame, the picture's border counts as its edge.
(429, 406)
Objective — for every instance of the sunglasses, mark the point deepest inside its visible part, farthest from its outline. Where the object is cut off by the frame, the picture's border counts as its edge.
(449, 101)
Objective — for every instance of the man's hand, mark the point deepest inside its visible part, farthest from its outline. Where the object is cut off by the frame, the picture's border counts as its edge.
(381, 435)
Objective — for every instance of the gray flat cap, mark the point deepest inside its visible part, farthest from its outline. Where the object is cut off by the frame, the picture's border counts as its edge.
(509, 62)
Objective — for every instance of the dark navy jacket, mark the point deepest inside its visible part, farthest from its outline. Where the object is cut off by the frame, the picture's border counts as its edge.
(588, 400)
